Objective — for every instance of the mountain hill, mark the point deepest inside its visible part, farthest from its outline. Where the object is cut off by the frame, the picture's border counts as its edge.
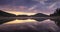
(22, 15)
(39, 15)
(5, 14)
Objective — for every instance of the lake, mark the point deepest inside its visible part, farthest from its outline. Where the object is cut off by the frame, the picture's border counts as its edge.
(40, 24)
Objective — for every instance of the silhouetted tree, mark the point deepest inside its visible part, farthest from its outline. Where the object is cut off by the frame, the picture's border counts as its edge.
(56, 13)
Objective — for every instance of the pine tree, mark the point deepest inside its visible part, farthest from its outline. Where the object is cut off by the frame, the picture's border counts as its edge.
(56, 13)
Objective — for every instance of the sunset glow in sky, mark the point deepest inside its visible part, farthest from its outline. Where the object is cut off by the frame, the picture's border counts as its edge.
(29, 6)
(21, 13)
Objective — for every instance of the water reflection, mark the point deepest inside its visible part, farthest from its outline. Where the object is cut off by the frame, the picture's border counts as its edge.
(23, 20)
(40, 24)
(20, 21)
(56, 20)
(4, 20)
(39, 19)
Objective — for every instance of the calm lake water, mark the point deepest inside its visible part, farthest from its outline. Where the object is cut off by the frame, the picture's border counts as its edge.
(13, 20)
(23, 20)
(39, 23)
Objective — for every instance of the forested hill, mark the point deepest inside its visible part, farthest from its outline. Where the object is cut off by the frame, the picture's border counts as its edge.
(6, 14)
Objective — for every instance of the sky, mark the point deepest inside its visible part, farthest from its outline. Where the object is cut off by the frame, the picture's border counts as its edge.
(29, 6)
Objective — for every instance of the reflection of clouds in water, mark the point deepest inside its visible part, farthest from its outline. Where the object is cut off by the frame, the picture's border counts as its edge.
(36, 26)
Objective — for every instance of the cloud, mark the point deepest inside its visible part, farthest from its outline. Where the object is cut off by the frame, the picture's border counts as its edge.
(33, 7)
(51, 6)
(18, 2)
(15, 5)
(6, 2)
(45, 6)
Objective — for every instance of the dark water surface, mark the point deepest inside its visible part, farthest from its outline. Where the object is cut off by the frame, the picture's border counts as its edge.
(11, 24)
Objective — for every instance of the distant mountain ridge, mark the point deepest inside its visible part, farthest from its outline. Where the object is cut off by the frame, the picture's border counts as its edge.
(36, 15)
(6, 14)
(40, 15)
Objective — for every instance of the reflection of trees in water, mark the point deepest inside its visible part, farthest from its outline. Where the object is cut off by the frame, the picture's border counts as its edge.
(57, 21)
(39, 19)
(22, 18)
(56, 14)
(6, 20)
